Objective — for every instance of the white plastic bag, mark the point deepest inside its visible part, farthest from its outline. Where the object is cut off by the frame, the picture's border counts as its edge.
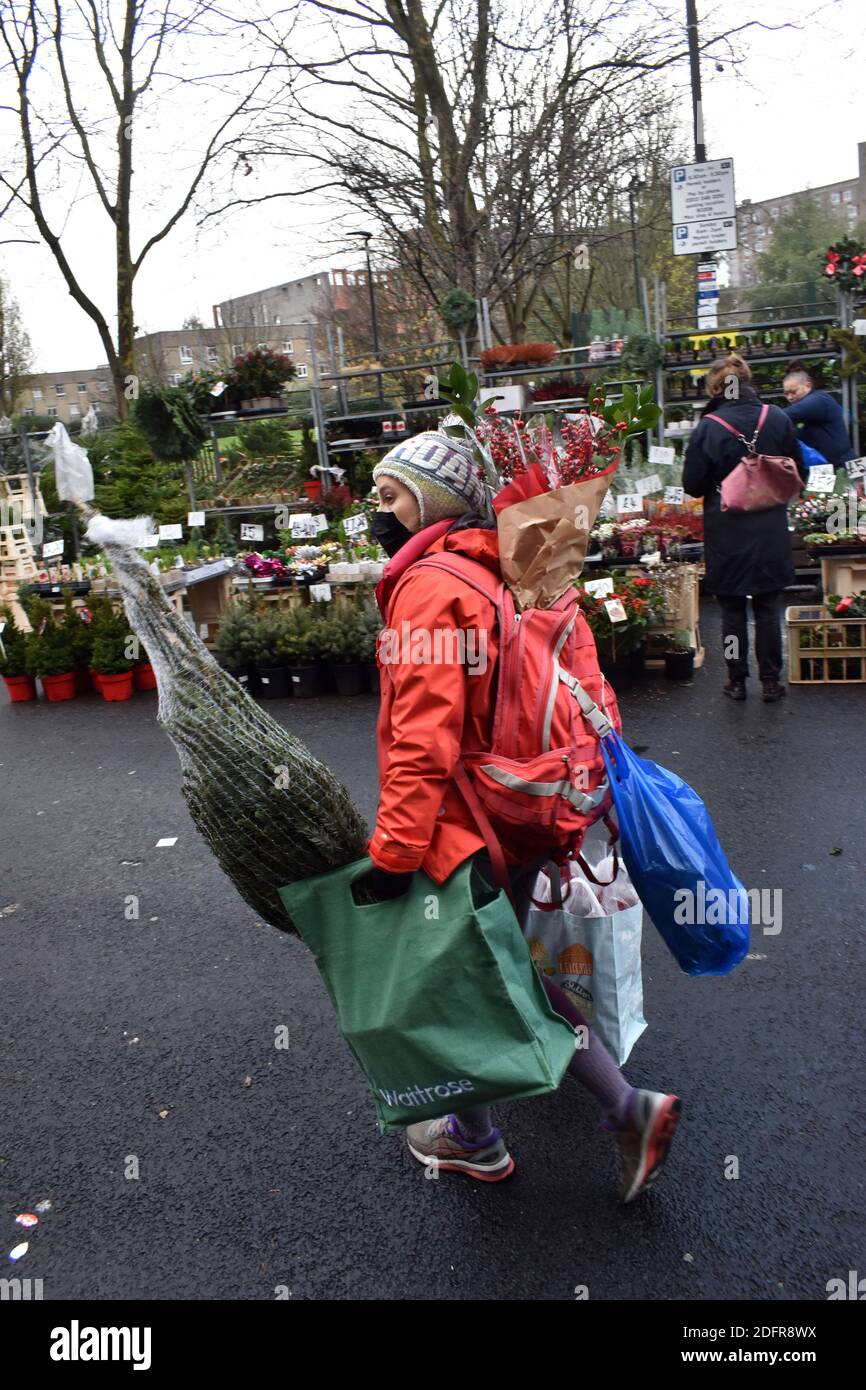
(72, 471)
(590, 948)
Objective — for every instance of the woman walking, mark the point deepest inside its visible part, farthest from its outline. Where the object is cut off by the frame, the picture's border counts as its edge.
(430, 499)
(746, 553)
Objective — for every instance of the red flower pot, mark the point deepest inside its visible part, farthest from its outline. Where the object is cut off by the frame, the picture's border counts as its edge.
(313, 488)
(20, 687)
(60, 687)
(117, 687)
(144, 676)
(83, 680)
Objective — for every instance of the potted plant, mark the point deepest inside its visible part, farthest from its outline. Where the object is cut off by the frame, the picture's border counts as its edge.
(298, 650)
(680, 658)
(517, 355)
(14, 665)
(257, 379)
(78, 626)
(370, 622)
(743, 344)
(341, 647)
(143, 674)
(235, 640)
(642, 354)
(268, 656)
(50, 655)
(113, 644)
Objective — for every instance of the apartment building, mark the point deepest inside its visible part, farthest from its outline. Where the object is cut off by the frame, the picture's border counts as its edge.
(164, 358)
(756, 220)
(307, 300)
(67, 396)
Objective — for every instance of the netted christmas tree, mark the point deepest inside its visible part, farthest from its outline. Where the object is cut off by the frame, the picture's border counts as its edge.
(271, 813)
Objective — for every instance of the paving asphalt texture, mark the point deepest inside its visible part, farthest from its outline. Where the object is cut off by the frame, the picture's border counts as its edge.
(284, 1179)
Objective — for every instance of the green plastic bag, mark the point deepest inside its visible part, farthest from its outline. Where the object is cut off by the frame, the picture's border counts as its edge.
(435, 992)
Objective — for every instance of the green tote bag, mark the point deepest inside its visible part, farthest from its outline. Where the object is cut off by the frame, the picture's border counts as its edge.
(435, 992)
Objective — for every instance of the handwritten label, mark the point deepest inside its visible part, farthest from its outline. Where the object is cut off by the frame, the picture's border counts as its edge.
(321, 522)
(629, 502)
(597, 588)
(320, 593)
(52, 548)
(822, 478)
(662, 453)
(856, 468)
(615, 610)
(651, 484)
(303, 525)
(173, 532)
(150, 541)
(355, 525)
(249, 532)
(674, 495)
(195, 518)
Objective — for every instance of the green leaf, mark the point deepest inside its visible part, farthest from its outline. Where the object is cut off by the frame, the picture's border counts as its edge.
(629, 400)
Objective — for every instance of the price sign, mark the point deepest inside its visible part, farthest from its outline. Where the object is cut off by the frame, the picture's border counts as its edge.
(674, 495)
(651, 484)
(859, 327)
(597, 588)
(822, 478)
(615, 610)
(320, 593)
(355, 525)
(195, 518)
(321, 522)
(174, 532)
(855, 468)
(303, 525)
(662, 453)
(52, 548)
(252, 533)
(629, 502)
(149, 542)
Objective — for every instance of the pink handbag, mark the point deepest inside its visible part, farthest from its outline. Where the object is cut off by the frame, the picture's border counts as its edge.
(759, 481)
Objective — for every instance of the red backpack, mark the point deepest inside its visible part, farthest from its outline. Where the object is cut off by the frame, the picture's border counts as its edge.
(543, 775)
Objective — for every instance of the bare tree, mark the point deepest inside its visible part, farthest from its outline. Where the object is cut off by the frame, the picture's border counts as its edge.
(476, 136)
(16, 362)
(85, 75)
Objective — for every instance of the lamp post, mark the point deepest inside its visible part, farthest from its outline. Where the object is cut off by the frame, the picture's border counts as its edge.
(373, 320)
(634, 187)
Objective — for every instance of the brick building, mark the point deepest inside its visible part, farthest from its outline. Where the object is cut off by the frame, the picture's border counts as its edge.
(756, 220)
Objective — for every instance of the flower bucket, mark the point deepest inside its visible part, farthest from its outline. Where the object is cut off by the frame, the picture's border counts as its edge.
(20, 688)
(313, 488)
(60, 687)
(116, 687)
(679, 666)
(144, 676)
(83, 680)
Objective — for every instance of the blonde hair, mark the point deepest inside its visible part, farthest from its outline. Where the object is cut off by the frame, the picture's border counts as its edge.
(720, 372)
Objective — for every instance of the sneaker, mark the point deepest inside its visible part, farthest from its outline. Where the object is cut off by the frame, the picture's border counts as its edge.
(735, 688)
(440, 1145)
(773, 691)
(645, 1139)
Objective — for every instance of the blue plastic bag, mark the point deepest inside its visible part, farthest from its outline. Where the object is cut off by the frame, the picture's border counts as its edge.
(811, 457)
(676, 863)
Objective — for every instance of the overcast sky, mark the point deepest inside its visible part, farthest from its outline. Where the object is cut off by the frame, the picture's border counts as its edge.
(791, 118)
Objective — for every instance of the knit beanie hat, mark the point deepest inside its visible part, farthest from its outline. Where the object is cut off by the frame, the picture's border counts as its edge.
(441, 472)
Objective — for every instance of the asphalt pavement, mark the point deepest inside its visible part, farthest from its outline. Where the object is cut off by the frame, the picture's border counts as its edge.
(148, 1045)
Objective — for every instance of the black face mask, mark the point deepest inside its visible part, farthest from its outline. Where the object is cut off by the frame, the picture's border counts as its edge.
(389, 532)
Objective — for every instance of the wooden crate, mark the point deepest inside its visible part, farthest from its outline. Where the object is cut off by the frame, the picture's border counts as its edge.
(843, 574)
(823, 650)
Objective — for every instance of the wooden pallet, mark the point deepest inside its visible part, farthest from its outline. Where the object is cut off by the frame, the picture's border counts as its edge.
(824, 650)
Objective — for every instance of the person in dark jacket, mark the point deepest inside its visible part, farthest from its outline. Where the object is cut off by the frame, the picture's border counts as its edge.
(746, 553)
(818, 418)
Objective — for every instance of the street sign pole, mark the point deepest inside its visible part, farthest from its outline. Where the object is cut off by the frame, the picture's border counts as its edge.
(697, 109)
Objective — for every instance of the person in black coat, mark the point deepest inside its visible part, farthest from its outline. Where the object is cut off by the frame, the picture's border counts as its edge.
(746, 553)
